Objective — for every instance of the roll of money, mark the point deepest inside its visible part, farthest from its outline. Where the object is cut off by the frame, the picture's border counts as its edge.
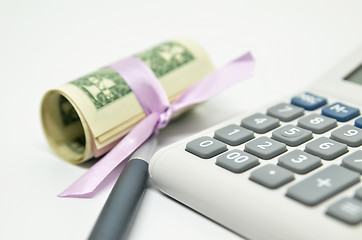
(86, 117)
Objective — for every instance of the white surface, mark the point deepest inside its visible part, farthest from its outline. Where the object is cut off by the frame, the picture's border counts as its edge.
(44, 44)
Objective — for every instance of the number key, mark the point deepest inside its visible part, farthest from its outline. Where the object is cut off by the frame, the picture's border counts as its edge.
(205, 147)
(348, 134)
(299, 161)
(326, 148)
(233, 135)
(260, 123)
(317, 123)
(285, 112)
(265, 147)
(292, 135)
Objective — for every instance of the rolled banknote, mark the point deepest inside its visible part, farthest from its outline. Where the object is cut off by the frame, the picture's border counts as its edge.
(86, 117)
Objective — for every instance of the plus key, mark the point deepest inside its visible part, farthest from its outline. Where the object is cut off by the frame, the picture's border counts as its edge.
(322, 185)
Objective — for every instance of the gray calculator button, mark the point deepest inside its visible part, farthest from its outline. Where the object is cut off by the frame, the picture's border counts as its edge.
(299, 161)
(292, 135)
(237, 161)
(359, 193)
(206, 147)
(348, 134)
(233, 135)
(317, 123)
(260, 123)
(271, 176)
(285, 112)
(348, 210)
(326, 148)
(353, 161)
(323, 184)
(265, 147)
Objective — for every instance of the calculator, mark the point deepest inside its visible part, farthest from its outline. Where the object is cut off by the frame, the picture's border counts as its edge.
(290, 170)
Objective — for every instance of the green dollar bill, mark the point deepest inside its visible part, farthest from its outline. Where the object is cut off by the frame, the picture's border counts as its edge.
(106, 86)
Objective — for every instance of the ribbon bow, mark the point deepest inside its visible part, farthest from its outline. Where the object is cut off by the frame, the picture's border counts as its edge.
(159, 111)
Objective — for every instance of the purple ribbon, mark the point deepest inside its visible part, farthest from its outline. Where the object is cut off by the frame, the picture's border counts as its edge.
(155, 104)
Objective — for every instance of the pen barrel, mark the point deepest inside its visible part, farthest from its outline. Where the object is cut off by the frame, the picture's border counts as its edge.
(122, 203)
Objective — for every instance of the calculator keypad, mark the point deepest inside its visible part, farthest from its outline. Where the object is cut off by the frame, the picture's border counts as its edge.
(285, 112)
(314, 189)
(323, 185)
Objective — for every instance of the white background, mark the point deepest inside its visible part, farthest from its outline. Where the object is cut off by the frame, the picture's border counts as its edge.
(44, 44)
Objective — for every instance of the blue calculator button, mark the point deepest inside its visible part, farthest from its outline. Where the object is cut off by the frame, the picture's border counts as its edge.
(340, 112)
(308, 101)
(358, 122)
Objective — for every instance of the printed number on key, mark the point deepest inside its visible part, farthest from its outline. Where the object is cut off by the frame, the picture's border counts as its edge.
(286, 108)
(292, 131)
(300, 159)
(264, 146)
(260, 120)
(316, 120)
(233, 132)
(237, 157)
(351, 133)
(326, 145)
(206, 143)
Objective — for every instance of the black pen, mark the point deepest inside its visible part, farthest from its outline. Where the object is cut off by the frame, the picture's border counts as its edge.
(119, 210)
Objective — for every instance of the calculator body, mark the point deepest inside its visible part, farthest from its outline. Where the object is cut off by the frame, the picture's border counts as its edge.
(254, 210)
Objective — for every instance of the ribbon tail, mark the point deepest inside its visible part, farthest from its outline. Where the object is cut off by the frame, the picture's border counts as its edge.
(236, 71)
(88, 182)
